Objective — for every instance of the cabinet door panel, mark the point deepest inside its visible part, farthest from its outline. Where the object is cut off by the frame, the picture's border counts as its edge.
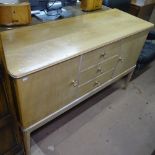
(130, 51)
(47, 91)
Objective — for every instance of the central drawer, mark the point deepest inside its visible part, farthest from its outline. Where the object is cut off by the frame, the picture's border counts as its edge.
(97, 82)
(97, 70)
(99, 55)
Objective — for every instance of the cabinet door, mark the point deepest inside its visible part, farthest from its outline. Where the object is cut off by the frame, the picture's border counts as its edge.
(130, 51)
(47, 91)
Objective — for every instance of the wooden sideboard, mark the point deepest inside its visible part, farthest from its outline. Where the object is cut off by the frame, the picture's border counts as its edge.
(56, 65)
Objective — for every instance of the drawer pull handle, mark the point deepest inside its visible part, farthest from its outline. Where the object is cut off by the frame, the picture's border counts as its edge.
(99, 69)
(75, 83)
(97, 83)
(121, 59)
(102, 55)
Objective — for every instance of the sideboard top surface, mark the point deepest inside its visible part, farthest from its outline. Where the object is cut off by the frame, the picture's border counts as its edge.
(31, 49)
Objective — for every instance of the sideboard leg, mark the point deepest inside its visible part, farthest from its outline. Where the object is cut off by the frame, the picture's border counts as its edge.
(127, 80)
(27, 142)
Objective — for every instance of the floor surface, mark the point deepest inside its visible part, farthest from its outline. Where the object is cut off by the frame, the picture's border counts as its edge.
(113, 122)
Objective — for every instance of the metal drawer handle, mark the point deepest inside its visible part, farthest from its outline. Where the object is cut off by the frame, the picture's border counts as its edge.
(121, 59)
(102, 55)
(97, 83)
(75, 83)
(99, 69)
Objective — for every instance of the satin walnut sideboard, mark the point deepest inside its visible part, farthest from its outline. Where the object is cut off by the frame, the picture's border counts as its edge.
(56, 65)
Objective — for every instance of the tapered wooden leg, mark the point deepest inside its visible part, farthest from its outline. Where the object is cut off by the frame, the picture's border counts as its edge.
(127, 79)
(27, 142)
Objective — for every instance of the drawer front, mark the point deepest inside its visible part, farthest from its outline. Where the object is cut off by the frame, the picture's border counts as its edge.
(84, 89)
(92, 58)
(97, 70)
(47, 91)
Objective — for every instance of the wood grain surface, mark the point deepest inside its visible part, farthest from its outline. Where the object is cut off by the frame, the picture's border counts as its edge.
(15, 14)
(34, 48)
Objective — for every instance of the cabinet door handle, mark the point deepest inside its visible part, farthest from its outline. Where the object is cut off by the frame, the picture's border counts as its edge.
(75, 83)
